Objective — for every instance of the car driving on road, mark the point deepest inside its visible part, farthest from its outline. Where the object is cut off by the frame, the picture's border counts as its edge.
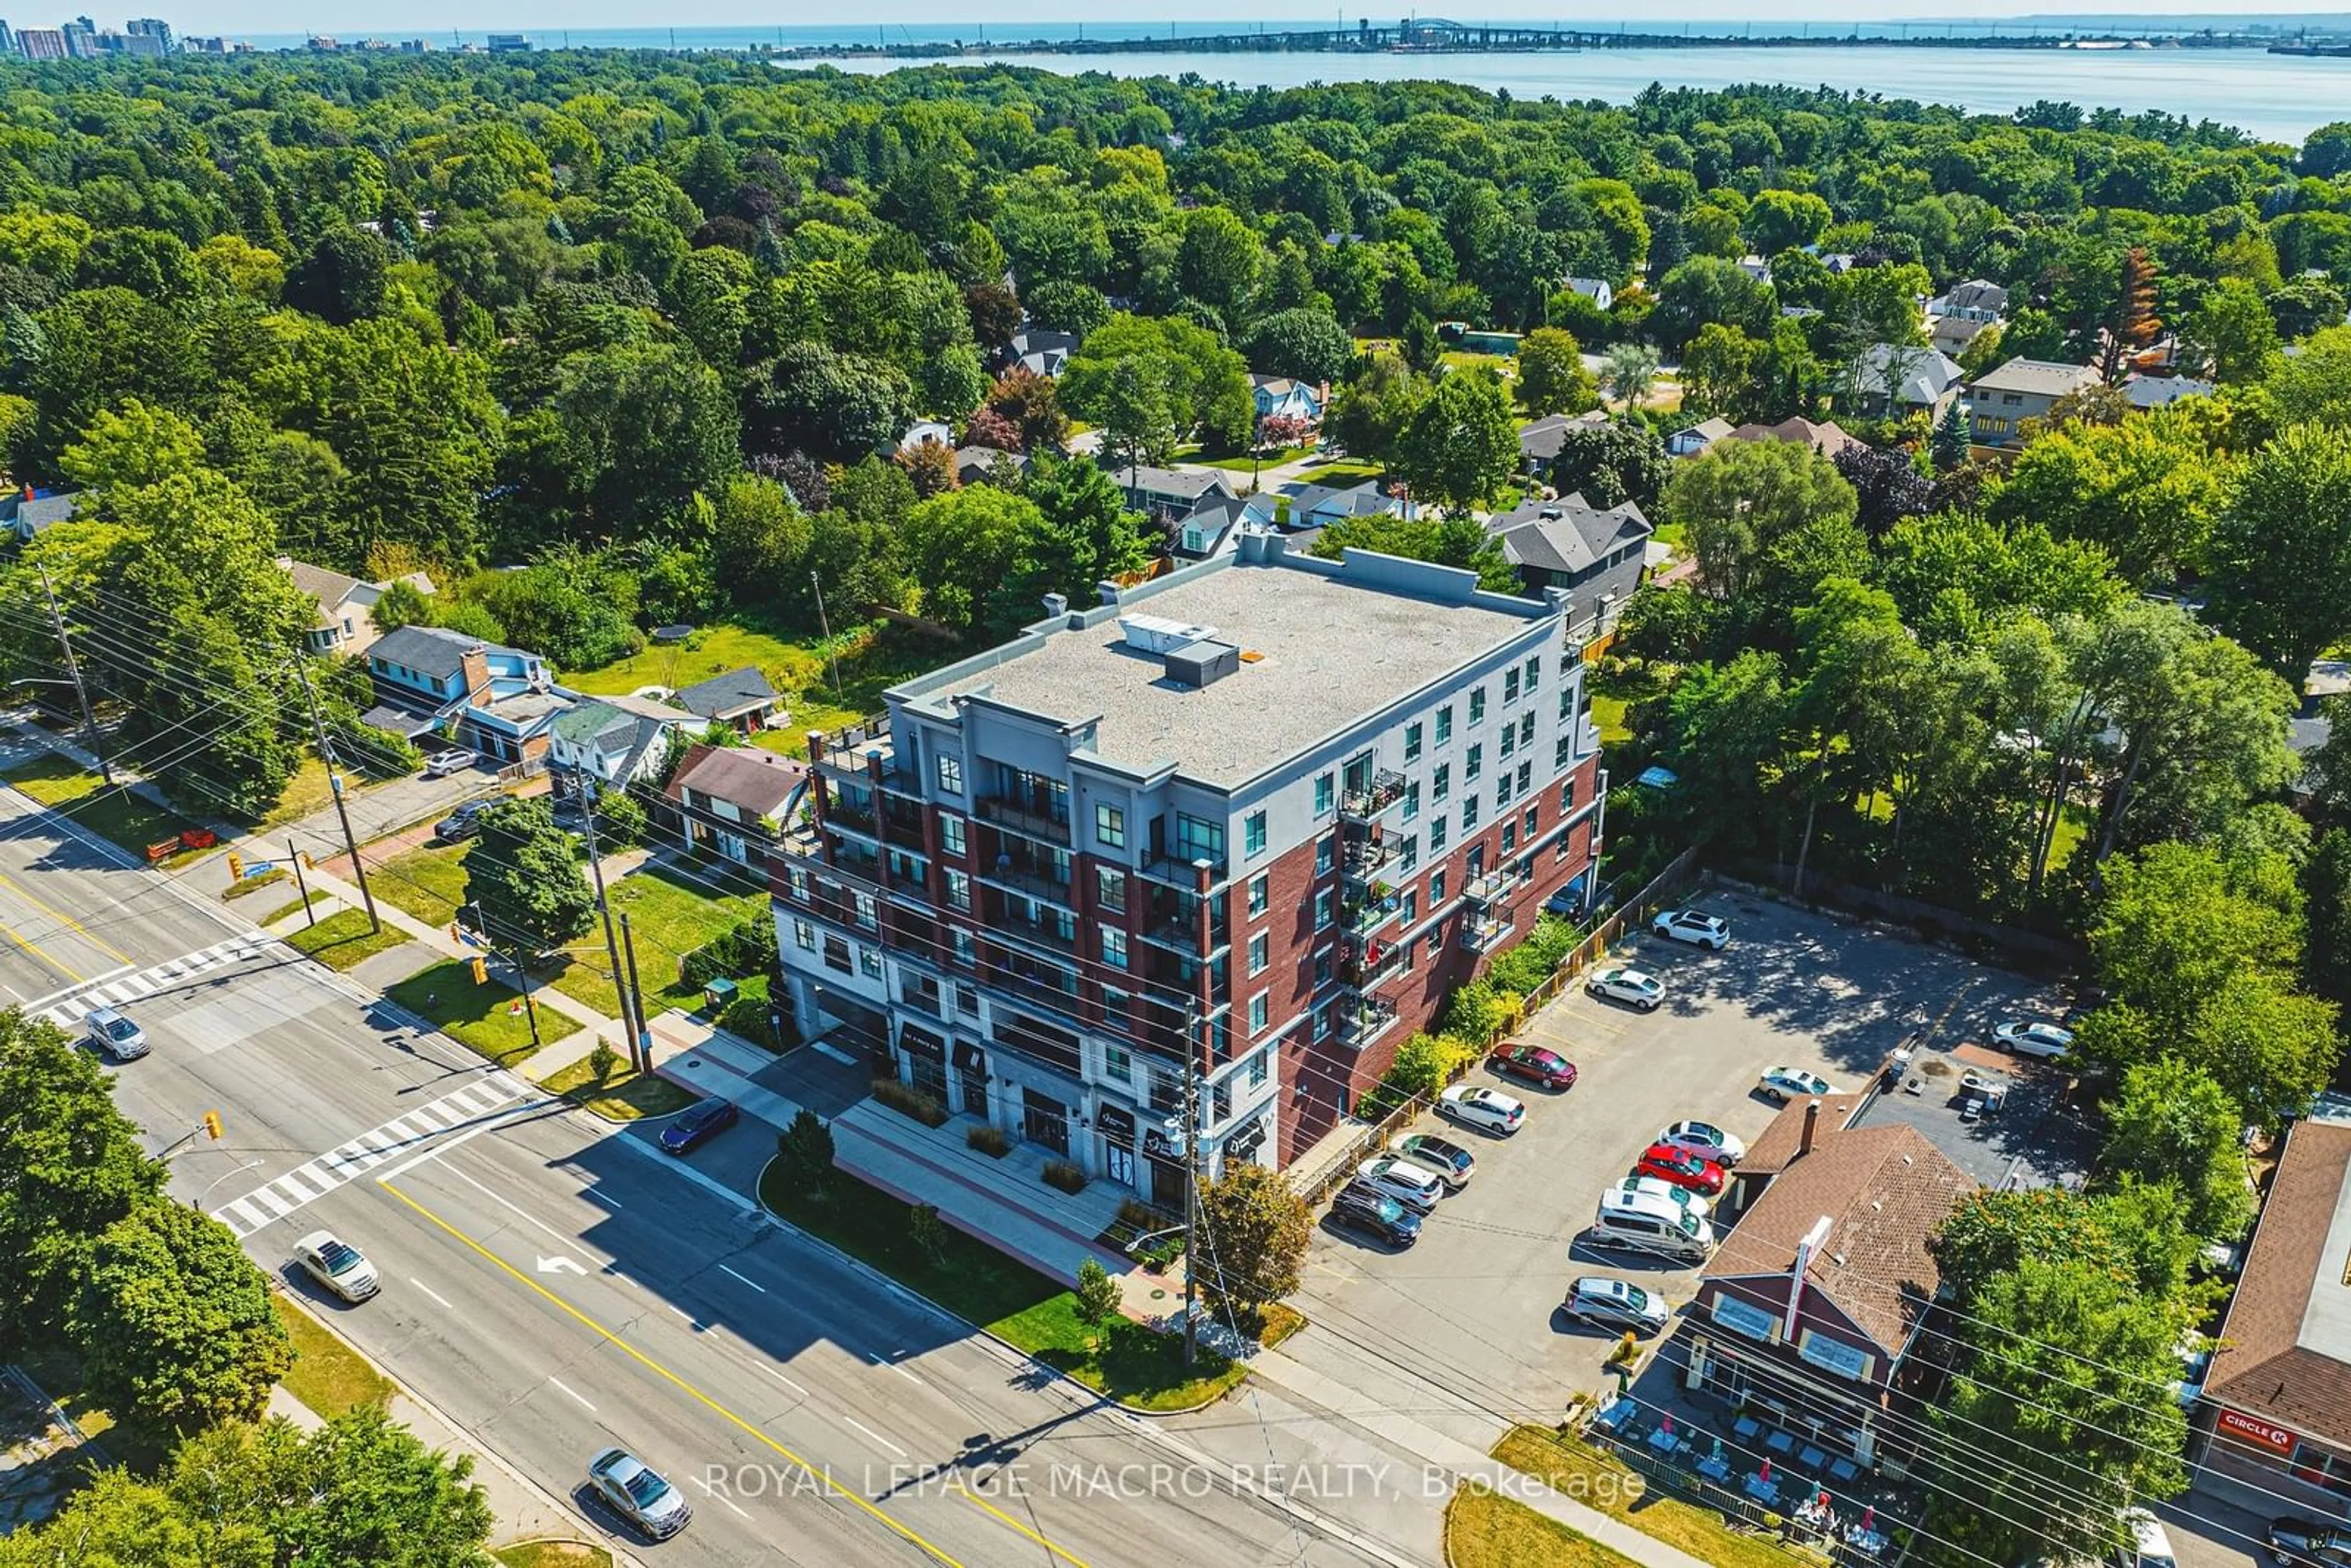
(1695, 927)
(114, 1034)
(634, 1491)
(1474, 1105)
(1633, 987)
(1616, 1304)
(1517, 1058)
(336, 1265)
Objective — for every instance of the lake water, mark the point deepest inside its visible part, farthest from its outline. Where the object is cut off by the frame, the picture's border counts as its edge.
(2277, 96)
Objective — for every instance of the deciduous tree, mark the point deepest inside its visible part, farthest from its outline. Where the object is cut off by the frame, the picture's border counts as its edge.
(1254, 1231)
(528, 877)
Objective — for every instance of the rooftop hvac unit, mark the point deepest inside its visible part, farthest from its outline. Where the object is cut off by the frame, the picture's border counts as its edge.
(1158, 634)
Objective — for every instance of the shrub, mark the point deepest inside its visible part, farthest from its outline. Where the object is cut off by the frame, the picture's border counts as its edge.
(805, 1150)
(1424, 1064)
(1062, 1173)
(908, 1101)
(989, 1141)
(928, 1230)
(1480, 1012)
(603, 1061)
(746, 948)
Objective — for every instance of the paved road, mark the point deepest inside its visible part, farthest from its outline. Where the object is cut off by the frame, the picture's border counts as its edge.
(554, 1285)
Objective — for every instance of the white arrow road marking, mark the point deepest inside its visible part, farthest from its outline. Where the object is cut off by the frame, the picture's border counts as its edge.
(560, 1264)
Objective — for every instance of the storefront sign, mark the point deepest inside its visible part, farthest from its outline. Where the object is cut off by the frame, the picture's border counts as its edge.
(2261, 1434)
(1834, 1356)
(1745, 1317)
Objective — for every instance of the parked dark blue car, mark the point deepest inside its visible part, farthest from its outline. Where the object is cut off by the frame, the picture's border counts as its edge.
(697, 1125)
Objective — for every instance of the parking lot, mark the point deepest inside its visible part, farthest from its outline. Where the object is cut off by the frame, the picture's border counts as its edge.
(1471, 1304)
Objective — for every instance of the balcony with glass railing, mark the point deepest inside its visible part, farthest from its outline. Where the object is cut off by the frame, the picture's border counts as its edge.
(1171, 919)
(1366, 1020)
(1378, 795)
(1019, 867)
(1370, 913)
(1367, 962)
(1483, 934)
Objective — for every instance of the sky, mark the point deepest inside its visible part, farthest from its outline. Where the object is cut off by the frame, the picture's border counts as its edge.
(427, 17)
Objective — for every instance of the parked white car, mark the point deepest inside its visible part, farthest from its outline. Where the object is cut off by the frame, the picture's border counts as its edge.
(1616, 1304)
(336, 1265)
(1781, 1084)
(1697, 1205)
(2035, 1039)
(441, 764)
(1635, 987)
(1416, 1187)
(1705, 1140)
(1695, 927)
(1474, 1105)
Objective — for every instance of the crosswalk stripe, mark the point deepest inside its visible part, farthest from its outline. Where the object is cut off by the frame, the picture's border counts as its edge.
(252, 1216)
(296, 1190)
(279, 1207)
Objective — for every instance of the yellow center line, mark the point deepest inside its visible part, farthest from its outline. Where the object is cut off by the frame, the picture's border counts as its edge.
(33, 947)
(655, 1367)
(96, 941)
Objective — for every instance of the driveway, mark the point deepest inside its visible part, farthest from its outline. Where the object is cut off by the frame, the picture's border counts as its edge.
(383, 810)
(1471, 1304)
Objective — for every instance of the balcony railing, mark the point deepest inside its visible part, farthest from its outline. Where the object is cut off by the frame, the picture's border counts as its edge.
(856, 815)
(1017, 816)
(1366, 858)
(1362, 918)
(1041, 934)
(1174, 921)
(1366, 1021)
(1177, 869)
(1367, 963)
(1480, 934)
(848, 746)
(1385, 791)
(1492, 887)
(1031, 878)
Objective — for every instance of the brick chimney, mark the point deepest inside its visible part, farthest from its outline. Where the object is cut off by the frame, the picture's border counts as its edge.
(1812, 1124)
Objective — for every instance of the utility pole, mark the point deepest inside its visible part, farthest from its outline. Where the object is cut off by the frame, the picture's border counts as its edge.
(825, 625)
(643, 1053)
(335, 781)
(596, 870)
(1191, 1180)
(301, 882)
(73, 668)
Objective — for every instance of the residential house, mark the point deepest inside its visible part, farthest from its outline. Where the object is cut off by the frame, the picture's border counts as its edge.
(1593, 556)
(1952, 334)
(2145, 393)
(1978, 299)
(2023, 389)
(1691, 440)
(741, 699)
(1595, 289)
(500, 702)
(1042, 351)
(734, 800)
(1297, 800)
(924, 430)
(1169, 493)
(1756, 267)
(346, 622)
(1824, 437)
(1890, 379)
(1810, 1315)
(29, 512)
(1285, 397)
(1540, 439)
(1320, 506)
(2272, 1430)
(1212, 528)
(975, 465)
(615, 740)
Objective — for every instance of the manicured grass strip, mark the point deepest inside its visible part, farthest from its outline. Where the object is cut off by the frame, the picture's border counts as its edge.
(328, 1376)
(342, 941)
(623, 1097)
(1485, 1529)
(428, 882)
(294, 906)
(1582, 1471)
(247, 885)
(1341, 473)
(128, 819)
(553, 1554)
(1010, 1300)
(1281, 1322)
(486, 1019)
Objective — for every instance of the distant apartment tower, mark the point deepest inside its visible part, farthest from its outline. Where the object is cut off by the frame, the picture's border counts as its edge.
(1264, 812)
(509, 44)
(151, 27)
(41, 43)
(81, 38)
(8, 40)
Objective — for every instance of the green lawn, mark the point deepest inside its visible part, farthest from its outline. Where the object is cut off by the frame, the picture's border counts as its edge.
(1599, 1481)
(552, 1555)
(483, 1018)
(796, 666)
(623, 1097)
(1243, 462)
(117, 814)
(328, 1376)
(670, 914)
(1486, 1529)
(2076, 822)
(1010, 1300)
(428, 882)
(308, 791)
(293, 906)
(343, 941)
(1341, 473)
(1608, 713)
(711, 650)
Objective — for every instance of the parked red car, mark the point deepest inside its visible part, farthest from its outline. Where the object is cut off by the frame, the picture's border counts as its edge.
(1516, 1059)
(1680, 1167)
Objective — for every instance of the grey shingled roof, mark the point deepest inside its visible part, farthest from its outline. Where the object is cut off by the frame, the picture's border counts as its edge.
(723, 696)
(433, 650)
(2039, 378)
(759, 782)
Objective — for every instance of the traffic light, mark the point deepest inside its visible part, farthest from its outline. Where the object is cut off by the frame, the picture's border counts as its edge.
(481, 972)
(212, 1124)
(236, 866)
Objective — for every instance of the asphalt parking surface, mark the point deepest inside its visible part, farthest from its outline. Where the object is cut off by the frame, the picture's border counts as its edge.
(1472, 1304)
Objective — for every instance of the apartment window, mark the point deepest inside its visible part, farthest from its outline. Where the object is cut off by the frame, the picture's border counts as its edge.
(1468, 813)
(958, 891)
(1476, 706)
(1510, 837)
(1198, 840)
(1440, 783)
(1117, 1065)
(1326, 786)
(1564, 752)
(1257, 945)
(1256, 1070)
(1436, 834)
(1435, 945)
(1444, 724)
(1510, 686)
(1566, 796)
(1325, 854)
(951, 834)
(1566, 704)
(1110, 827)
(1528, 821)
(1322, 907)
(869, 912)
(1534, 674)
(798, 880)
(1435, 889)
(1411, 854)
(951, 774)
(1259, 888)
(1410, 902)
(804, 935)
(1412, 743)
(1472, 763)
(1114, 946)
(1510, 741)
(1323, 968)
(1110, 889)
(1501, 791)
(1258, 1012)
(1526, 777)
(960, 940)
(1253, 835)
(1526, 729)
(1412, 800)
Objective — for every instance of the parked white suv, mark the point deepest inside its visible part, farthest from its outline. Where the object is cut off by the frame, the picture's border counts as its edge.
(1416, 1187)
(1474, 1105)
(1693, 927)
